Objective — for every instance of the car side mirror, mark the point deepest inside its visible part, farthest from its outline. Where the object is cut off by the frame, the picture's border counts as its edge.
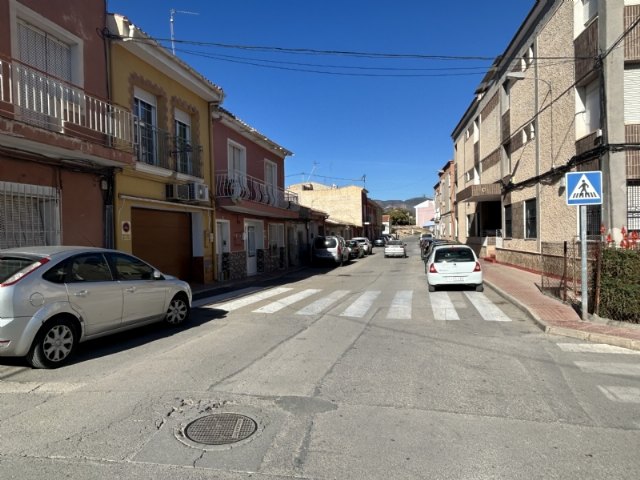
(157, 275)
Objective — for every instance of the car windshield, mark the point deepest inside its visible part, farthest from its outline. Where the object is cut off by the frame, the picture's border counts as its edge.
(9, 266)
(324, 242)
(394, 242)
(454, 255)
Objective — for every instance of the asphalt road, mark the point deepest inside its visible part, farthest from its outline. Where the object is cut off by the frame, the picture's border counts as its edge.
(355, 372)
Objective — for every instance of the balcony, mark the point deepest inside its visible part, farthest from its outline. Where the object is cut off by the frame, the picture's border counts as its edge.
(33, 97)
(239, 188)
(486, 192)
(158, 148)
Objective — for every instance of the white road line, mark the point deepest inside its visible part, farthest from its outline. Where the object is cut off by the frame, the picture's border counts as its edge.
(320, 305)
(595, 348)
(251, 299)
(610, 368)
(361, 306)
(487, 309)
(286, 301)
(621, 394)
(442, 307)
(401, 305)
(205, 302)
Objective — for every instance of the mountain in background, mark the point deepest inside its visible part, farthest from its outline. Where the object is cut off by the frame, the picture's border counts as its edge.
(404, 204)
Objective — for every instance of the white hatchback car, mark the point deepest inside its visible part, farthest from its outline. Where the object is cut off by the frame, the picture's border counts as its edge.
(453, 265)
(52, 298)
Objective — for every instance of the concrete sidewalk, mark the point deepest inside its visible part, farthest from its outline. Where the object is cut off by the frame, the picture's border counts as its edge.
(522, 288)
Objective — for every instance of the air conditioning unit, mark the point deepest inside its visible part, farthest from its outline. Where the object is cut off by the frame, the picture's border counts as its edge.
(198, 192)
(177, 191)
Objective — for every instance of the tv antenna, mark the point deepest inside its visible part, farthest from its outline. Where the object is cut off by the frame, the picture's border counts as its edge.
(172, 14)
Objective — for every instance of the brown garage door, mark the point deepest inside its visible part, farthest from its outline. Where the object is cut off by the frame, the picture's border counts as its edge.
(163, 239)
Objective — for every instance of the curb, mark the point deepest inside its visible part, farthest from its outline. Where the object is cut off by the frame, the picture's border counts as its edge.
(629, 343)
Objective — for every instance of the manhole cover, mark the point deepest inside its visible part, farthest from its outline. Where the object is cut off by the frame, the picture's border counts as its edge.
(220, 429)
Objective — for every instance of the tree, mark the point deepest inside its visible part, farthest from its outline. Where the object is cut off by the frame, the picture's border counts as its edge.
(400, 216)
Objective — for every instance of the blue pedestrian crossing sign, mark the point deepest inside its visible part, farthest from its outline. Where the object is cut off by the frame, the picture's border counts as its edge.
(584, 188)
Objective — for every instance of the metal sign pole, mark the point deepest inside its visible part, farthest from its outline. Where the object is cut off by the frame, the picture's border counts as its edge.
(583, 255)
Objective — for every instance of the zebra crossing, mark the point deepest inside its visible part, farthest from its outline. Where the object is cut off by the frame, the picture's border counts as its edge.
(314, 301)
(613, 369)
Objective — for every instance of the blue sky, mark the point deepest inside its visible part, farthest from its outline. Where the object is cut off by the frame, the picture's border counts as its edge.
(387, 117)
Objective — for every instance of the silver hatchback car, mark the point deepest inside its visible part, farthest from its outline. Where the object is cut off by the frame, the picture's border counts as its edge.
(52, 298)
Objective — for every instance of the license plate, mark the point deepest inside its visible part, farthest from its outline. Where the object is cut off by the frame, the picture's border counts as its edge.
(454, 279)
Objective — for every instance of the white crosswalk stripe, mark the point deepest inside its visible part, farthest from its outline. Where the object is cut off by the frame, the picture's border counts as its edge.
(361, 306)
(401, 306)
(609, 368)
(251, 299)
(487, 309)
(442, 306)
(614, 393)
(621, 394)
(320, 305)
(286, 301)
(445, 306)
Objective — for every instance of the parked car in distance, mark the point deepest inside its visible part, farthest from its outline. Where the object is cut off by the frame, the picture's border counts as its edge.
(453, 265)
(355, 251)
(395, 248)
(52, 298)
(330, 249)
(435, 242)
(379, 242)
(365, 243)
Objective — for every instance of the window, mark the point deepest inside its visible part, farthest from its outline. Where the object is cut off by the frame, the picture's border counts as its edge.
(183, 145)
(276, 235)
(508, 221)
(506, 160)
(29, 215)
(271, 181)
(131, 268)
(88, 268)
(476, 130)
(633, 205)
(42, 99)
(506, 97)
(471, 226)
(588, 110)
(529, 132)
(632, 94)
(527, 59)
(237, 166)
(144, 108)
(530, 219)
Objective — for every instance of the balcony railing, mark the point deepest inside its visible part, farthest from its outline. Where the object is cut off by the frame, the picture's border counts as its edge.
(158, 148)
(244, 187)
(51, 103)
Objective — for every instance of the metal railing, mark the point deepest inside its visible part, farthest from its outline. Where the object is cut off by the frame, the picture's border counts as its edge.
(51, 103)
(245, 187)
(158, 148)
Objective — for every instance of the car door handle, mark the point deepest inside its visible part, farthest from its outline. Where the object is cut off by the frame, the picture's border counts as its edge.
(130, 289)
(81, 293)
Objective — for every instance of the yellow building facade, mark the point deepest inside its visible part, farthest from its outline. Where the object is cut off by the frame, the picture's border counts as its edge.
(163, 207)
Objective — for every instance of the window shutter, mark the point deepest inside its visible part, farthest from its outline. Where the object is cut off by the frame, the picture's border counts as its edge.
(632, 95)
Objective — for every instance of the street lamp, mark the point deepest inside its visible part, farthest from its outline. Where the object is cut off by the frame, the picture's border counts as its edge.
(521, 76)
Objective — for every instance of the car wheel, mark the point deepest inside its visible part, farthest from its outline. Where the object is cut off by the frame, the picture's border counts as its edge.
(178, 310)
(432, 288)
(480, 288)
(53, 345)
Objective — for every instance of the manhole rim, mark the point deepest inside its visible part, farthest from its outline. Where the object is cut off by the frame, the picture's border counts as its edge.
(239, 416)
(259, 418)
